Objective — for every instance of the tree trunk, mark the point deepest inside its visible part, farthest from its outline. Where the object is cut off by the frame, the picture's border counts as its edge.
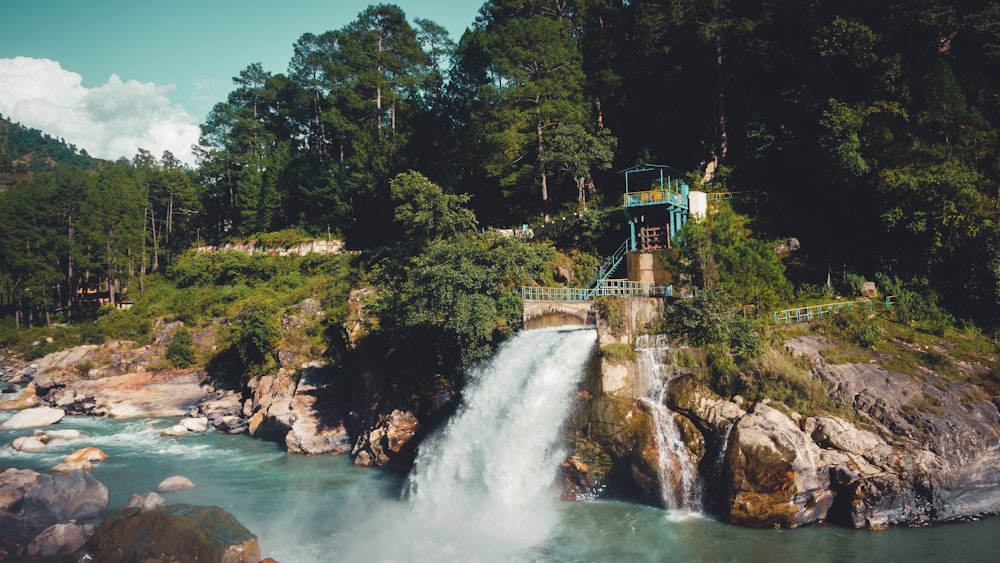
(68, 301)
(722, 129)
(545, 185)
(156, 241)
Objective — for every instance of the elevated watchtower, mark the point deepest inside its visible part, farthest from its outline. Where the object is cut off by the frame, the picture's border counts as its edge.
(658, 203)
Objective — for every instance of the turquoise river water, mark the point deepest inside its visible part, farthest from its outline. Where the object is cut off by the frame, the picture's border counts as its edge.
(478, 496)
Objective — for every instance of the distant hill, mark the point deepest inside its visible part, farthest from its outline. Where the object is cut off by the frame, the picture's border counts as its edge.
(25, 151)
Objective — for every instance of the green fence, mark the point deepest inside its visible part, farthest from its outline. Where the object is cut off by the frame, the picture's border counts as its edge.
(804, 314)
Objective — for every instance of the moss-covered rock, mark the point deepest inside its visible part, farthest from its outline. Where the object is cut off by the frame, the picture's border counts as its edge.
(177, 532)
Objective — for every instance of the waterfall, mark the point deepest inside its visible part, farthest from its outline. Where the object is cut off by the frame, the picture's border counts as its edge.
(482, 488)
(678, 472)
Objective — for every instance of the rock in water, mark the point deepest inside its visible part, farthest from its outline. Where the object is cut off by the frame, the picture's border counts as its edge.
(174, 483)
(176, 532)
(65, 496)
(67, 466)
(87, 454)
(199, 424)
(37, 416)
(28, 444)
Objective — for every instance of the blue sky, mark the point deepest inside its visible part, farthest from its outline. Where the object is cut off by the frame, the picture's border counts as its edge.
(113, 75)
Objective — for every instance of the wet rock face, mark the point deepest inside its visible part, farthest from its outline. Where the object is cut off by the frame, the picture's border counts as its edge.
(613, 452)
(928, 451)
(777, 473)
(177, 532)
(390, 444)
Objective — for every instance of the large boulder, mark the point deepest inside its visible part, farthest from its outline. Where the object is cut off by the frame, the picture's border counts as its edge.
(34, 417)
(308, 436)
(177, 532)
(65, 496)
(65, 537)
(13, 484)
(708, 411)
(225, 412)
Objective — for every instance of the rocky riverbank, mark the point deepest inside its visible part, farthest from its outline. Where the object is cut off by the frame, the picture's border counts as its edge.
(306, 405)
(917, 450)
(912, 449)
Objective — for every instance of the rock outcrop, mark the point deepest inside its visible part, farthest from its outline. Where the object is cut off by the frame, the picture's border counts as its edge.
(922, 449)
(302, 411)
(390, 444)
(175, 532)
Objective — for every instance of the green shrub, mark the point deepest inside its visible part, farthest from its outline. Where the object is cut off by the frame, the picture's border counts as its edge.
(180, 351)
(256, 338)
(122, 324)
(856, 325)
(40, 351)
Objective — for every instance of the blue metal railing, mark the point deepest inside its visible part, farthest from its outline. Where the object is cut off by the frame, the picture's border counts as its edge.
(804, 314)
(655, 197)
(604, 287)
(609, 266)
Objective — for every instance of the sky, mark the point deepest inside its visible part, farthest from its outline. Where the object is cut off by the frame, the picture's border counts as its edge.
(113, 76)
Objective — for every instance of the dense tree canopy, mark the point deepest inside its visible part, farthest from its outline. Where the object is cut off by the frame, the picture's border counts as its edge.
(869, 128)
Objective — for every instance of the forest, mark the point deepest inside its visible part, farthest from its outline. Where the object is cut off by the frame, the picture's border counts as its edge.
(866, 129)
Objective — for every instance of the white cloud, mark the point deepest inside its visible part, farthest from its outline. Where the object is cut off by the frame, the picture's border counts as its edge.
(110, 121)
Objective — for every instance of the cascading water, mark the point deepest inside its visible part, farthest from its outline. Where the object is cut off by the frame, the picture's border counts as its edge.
(481, 488)
(680, 488)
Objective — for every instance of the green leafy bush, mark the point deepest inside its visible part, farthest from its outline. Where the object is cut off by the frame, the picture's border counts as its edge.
(180, 351)
(256, 338)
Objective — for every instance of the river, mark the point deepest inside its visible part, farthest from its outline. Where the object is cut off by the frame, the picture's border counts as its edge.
(478, 497)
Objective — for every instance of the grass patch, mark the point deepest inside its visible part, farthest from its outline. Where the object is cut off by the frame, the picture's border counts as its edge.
(618, 352)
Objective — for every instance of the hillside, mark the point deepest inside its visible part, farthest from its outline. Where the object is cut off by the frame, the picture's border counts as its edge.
(25, 151)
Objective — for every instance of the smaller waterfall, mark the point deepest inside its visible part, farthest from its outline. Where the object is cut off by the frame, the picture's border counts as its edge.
(680, 488)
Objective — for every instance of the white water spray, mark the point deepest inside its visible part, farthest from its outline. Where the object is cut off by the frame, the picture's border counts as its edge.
(482, 488)
(678, 473)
